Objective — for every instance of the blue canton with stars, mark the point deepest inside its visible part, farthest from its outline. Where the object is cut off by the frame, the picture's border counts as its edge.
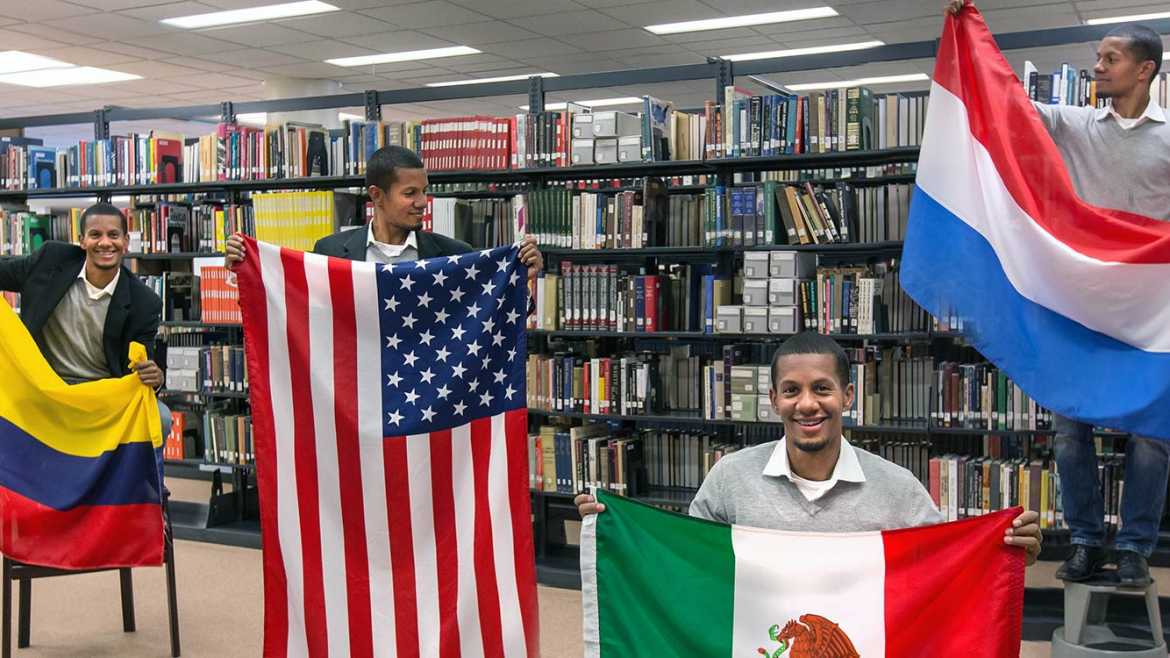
(452, 339)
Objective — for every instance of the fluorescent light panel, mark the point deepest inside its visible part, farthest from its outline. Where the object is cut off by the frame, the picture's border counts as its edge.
(1127, 19)
(71, 75)
(600, 102)
(812, 50)
(347, 116)
(15, 61)
(877, 80)
(480, 81)
(405, 56)
(251, 14)
(743, 21)
(259, 119)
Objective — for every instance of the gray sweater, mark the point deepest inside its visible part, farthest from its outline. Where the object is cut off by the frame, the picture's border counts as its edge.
(737, 491)
(1112, 167)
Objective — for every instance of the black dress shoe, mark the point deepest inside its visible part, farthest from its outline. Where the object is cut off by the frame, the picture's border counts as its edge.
(1084, 563)
(1132, 569)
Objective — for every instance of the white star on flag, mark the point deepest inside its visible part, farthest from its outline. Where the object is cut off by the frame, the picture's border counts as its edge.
(442, 354)
(486, 398)
(427, 375)
(410, 358)
(509, 392)
(409, 321)
(395, 380)
(458, 370)
(428, 415)
(443, 392)
(473, 348)
(460, 408)
(392, 304)
(457, 333)
(392, 342)
(426, 337)
(503, 264)
(457, 295)
(411, 396)
(442, 316)
(512, 316)
(473, 310)
(472, 272)
(425, 300)
(406, 282)
(440, 278)
(395, 418)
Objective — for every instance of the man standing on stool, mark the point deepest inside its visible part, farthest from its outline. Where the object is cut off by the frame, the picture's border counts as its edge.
(1117, 157)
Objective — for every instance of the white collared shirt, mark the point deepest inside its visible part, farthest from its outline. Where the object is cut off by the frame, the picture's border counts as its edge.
(847, 469)
(381, 252)
(95, 293)
(1153, 112)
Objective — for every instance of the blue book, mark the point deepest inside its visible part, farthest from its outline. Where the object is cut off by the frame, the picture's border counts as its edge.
(42, 167)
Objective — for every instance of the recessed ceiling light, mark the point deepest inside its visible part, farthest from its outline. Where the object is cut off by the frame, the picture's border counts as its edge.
(812, 50)
(743, 21)
(1128, 19)
(348, 116)
(404, 56)
(480, 81)
(877, 80)
(251, 14)
(72, 75)
(15, 61)
(600, 102)
(259, 119)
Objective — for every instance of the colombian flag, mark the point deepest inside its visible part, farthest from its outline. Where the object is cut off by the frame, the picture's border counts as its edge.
(79, 485)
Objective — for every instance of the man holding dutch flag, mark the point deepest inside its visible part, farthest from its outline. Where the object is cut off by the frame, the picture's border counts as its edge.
(1055, 245)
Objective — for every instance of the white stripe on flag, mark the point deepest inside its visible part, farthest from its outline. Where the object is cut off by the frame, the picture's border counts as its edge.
(370, 441)
(500, 503)
(325, 431)
(422, 528)
(288, 518)
(463, 478)
(1126, 301)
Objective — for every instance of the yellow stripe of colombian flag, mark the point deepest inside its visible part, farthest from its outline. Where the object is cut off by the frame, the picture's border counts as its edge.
(84, 420)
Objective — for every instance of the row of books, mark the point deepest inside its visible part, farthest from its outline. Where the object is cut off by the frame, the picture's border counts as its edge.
(983, 397)
(22, 232)
(294, 219)
(569, 460)
(214, 369)
(132, 159)
(481, 223)
(850, 119)
(227, 438)
(860, 300)
(208, 294)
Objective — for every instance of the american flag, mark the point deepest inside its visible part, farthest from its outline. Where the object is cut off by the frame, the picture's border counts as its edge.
(390, 427)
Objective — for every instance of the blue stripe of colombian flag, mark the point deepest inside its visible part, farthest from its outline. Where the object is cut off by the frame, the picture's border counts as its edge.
(949, 267)
(61, 481)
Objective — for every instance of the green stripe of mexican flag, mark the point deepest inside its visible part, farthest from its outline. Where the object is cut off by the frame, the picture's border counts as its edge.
(664, 585)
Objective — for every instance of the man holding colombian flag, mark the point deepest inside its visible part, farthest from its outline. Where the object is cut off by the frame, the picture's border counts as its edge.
(80, 427)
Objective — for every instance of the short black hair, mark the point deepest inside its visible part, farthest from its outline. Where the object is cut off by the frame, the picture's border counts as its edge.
(102, 209)
(811, 342)
(1142, 42)
(383, 165)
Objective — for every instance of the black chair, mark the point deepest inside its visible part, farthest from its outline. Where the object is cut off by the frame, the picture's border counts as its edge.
(26, 573)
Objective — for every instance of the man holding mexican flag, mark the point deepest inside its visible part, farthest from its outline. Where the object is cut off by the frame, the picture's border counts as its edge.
(791, 548)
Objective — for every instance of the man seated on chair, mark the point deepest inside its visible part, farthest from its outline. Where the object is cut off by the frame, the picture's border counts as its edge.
(84, 309)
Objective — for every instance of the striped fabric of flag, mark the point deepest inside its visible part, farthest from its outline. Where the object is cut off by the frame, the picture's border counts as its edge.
(390, 426)
(1070, 300)
(655, 583)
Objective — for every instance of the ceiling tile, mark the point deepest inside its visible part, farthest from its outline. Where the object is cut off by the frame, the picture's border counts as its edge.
(390, 42)
(87, 56)
(114, 5)
(426, 14)
(186, 43)
(476, 63)
(35, 35)
(573, 22)
(531, 48)
(798, 27)
(1030, 18)
(47, 10)
(711, 35)
(157, 12)
(338, 24)
(257, 35)
(110, 26)
(1128, 5)
(221, 80)
(601, 41)
(478, 34)
(132, 50)
(321, 50)
(252, 57)
(304, 70)
(201, 64)
(822, 37)
(734, 46)
(662, 11)
(519, 8)
(159, 70)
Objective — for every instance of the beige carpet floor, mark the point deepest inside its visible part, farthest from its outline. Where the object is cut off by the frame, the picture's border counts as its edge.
(221, 612)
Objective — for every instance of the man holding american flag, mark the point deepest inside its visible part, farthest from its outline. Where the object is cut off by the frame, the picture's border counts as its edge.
(390, 422)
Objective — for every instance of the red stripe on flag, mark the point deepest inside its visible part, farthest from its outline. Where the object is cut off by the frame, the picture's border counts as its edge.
(446, 548)
(970, 66)
(516, 428)
(401, 546)
(487, 589)
(357, 567)
(296, 301)
(34, 533)
(254, 305)
(962, 566)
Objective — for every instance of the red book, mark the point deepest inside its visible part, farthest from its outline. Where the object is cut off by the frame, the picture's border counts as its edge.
(651, 303)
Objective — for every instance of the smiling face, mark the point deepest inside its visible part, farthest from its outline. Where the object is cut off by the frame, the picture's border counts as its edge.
(104, 241)
(403, 203)
(811, 399)
(1119, 71)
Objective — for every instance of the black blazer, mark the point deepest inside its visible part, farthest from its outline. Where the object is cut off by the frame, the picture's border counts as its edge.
(351, 244)
(42, 279)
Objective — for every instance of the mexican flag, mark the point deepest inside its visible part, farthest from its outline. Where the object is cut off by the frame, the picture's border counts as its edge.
(660, 584)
